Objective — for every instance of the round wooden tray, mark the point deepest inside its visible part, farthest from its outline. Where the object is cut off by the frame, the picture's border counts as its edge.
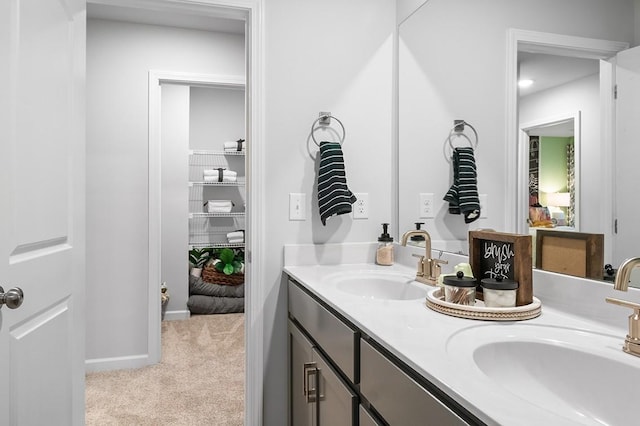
(435, 301)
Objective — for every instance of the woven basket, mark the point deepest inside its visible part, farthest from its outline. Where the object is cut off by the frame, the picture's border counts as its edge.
(211, 275)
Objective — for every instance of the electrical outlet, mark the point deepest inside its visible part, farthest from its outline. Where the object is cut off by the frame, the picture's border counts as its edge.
(483, 206)
(361, 206)
(426, 209)
(297, 204)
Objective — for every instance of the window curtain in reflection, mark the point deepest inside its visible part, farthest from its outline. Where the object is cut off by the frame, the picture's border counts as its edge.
(571, 184)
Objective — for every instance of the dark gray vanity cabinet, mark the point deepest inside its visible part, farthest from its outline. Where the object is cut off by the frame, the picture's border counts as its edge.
(339, 376)
(322, 353)
(317, 393)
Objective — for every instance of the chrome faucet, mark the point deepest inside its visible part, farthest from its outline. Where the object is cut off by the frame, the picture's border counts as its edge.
(428, 268)
(632, 341)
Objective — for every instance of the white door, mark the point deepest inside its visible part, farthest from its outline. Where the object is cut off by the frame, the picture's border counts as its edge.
(42, 55)
(627, 159)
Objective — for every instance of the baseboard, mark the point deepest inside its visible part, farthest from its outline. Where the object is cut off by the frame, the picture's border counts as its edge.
(176, 315)
(116, 363)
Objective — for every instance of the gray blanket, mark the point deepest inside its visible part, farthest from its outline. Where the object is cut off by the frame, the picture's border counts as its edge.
(199, 304)
(197, 286)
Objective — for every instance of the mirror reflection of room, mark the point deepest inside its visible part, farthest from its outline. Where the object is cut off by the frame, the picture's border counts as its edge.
(552, 176)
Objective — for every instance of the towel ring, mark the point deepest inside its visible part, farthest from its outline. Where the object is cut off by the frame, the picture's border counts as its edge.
(461, 135)
(324, 117)
(456, 132)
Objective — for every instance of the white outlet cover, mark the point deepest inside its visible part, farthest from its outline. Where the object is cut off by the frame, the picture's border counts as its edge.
(483, 205)
(361, 206)
(426, 207)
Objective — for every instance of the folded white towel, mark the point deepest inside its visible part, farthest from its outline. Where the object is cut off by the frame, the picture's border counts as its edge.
(236, 240)
(235, 234)
(233, 145)
(219, 203)
(218, 206)
(215, 172)
(218, 209)
(224, 179)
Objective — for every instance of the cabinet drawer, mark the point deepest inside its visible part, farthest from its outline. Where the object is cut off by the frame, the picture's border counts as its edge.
(338, 340)
(381, 382)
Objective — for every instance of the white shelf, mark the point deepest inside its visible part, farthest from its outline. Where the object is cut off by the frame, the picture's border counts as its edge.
(198, 183)
(216, 245)
(207, 152)
(232, 214)
(210, 229)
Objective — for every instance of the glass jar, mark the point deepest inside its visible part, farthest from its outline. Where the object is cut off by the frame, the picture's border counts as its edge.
(499, 293)
(459, 289)
(384, 254)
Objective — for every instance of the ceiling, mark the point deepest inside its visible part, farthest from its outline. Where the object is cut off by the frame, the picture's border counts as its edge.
(548, 71)
(195, 20)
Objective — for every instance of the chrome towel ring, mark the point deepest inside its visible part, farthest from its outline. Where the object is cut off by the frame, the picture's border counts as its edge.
(324, 120)
(458, 131)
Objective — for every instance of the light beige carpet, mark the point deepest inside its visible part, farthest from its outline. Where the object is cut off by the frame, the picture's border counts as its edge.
(200, 380)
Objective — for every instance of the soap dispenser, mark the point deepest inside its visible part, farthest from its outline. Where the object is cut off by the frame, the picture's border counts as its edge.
(384, 253)
(418, 240)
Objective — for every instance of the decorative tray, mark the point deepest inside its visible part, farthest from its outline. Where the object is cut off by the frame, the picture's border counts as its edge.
(435, 301)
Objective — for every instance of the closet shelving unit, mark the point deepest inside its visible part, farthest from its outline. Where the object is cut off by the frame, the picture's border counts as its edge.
(210, 229)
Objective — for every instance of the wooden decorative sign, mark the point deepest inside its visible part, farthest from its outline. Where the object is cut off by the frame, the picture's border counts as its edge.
(498, 254)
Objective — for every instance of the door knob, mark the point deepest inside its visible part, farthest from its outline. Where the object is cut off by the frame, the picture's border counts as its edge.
(12, 298)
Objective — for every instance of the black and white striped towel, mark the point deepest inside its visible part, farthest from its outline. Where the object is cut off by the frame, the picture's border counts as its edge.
(334, 197)
(463, 194)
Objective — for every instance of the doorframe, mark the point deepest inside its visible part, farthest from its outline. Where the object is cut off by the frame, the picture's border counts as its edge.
(523, 153)
(252, 12)
(156, 79)
(549, 43)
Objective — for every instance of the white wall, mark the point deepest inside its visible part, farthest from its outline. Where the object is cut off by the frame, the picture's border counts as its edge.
(119, 57)
(333, 56)
(217, 115)
(175, 197)
(404, 8)
(453, 65)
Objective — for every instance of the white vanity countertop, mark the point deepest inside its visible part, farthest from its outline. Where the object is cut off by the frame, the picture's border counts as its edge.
(422, 338)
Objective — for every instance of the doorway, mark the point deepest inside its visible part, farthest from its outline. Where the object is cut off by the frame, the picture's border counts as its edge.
(554, 190)
(247, 13)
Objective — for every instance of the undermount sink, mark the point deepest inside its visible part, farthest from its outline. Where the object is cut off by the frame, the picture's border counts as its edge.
(581, 376)
(379, 285)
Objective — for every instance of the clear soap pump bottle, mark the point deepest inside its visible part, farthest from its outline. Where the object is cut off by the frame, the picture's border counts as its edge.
(384, 253)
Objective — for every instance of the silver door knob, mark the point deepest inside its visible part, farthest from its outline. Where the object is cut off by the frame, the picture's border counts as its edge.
(12, 298)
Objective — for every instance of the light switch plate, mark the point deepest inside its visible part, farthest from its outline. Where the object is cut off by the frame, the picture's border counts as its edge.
(297, 203)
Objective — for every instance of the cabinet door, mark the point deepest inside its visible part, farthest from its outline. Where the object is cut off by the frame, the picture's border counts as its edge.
(367, 419)
(382, 382)
(302, 410)
(337, 404)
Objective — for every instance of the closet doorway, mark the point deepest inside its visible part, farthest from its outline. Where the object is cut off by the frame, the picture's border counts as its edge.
(215, 15)
(198, 131)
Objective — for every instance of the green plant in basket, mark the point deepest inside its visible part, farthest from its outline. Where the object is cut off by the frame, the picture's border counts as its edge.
(199, 256)
(229, 261)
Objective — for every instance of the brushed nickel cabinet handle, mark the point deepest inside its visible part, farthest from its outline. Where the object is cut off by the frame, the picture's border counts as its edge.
(310, 370)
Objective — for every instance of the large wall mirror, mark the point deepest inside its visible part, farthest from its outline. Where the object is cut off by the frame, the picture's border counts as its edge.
(461, 60)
